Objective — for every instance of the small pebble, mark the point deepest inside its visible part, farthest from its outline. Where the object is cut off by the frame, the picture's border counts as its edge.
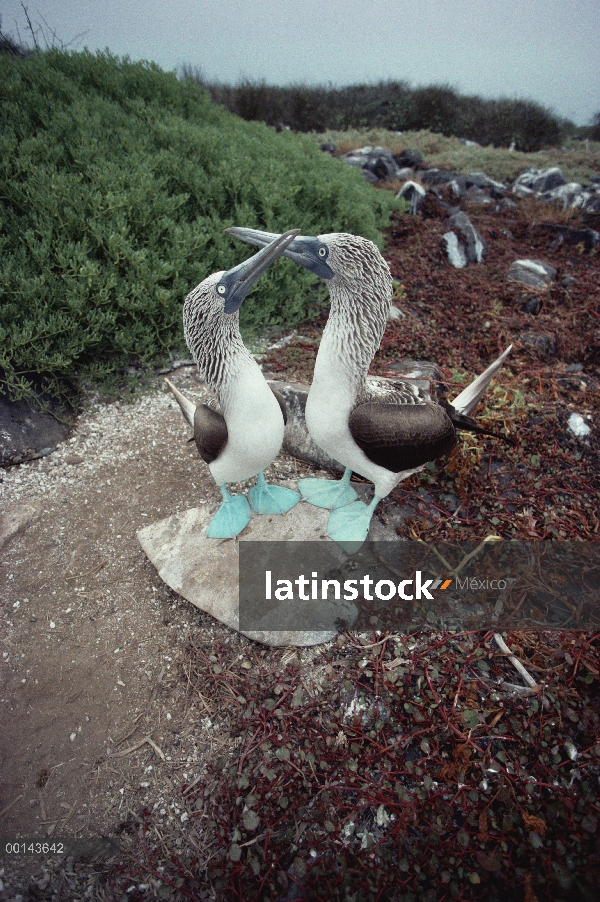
(578, 426)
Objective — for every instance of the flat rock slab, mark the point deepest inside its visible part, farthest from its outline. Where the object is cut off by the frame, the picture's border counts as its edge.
(205, 571)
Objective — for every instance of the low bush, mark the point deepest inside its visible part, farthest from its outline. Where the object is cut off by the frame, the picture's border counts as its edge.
(395, 106)
(116, 182)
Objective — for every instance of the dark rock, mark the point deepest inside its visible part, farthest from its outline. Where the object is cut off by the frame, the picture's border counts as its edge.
(589, 238)
(434, 177)
(296, 440)
(541, 343)
(328, 148)
(529, 304)
(414, 194)
(539, 180)
(572, 384)
(382, 168)
(379, 162)
(27, 433)
(476, 246)
(567, 281)
(574, 368)
(481, 180)
(533, 273)
(410, 158)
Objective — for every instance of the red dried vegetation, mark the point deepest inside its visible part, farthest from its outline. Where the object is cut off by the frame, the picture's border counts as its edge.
(420, 768)
(402, 769)
(548, 485)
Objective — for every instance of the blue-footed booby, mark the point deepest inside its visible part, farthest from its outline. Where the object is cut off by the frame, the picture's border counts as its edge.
(383, 429)
(240, 431)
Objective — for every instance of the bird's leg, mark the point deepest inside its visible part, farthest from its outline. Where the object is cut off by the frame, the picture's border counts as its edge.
(271, 499)
(327, 492)
(232, 517)
(349, 525)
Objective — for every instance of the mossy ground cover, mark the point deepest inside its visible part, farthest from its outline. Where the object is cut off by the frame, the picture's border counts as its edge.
(116, 182)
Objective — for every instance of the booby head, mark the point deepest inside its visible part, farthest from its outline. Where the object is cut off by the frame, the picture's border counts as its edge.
(359, 284)
(335, 257)
(210, 311)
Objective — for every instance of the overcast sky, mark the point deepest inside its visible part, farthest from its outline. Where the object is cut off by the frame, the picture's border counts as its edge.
(543, 50)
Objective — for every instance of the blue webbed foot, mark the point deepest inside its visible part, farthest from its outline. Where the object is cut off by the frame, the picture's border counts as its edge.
(349, 525)
(271, 499)
(231, 518)
(328, 493)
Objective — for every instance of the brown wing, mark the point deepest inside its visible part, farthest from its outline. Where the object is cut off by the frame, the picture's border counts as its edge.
(401, 437)
(210, 432)
(281, 402)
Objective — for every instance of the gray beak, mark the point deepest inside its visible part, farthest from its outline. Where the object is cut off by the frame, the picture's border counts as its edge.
(234, 285)
(306, 251)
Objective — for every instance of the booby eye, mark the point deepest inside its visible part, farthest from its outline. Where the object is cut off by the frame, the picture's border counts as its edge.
(221, 289)
(322, 251)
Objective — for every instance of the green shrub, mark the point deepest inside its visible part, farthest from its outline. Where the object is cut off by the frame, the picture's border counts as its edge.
(116, 182)
(395, 106)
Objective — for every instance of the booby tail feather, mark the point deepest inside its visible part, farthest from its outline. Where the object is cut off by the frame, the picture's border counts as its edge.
(470, 396)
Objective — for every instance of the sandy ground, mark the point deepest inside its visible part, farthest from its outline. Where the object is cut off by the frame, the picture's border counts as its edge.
(95, 718)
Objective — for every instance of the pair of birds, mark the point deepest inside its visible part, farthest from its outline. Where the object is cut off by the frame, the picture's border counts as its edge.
(383, 429)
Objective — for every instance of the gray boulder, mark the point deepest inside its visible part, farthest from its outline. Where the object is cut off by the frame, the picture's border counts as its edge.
(434, 177)
(538, 181)
(533, 273)
(476, 246)
(481, 180)
(377, 163)
(566, 193)
(410, 158)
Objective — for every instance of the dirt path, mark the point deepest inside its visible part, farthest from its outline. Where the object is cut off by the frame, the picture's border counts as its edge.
(90, 635)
